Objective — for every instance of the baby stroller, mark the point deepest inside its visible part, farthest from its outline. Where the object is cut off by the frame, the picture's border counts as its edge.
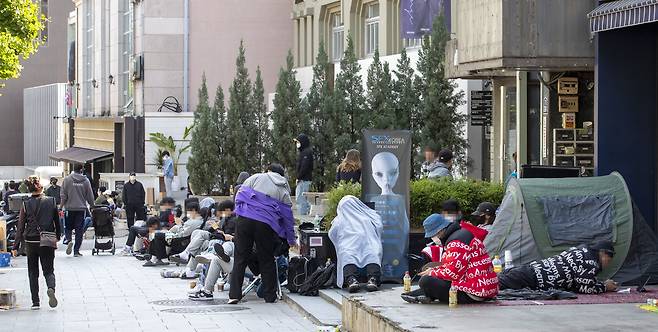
(103, 222)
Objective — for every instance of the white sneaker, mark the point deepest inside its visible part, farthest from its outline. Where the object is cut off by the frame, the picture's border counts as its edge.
(204, 258)
(126, 251)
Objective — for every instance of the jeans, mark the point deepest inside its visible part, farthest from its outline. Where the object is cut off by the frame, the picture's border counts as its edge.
(131, 211)
(436, 288)
(133, 232)
(217, 266)
(303, 206)
(45, 255)
(75, 220)
(158, 246)
(518, 277)
(248, 232)
(168, 188)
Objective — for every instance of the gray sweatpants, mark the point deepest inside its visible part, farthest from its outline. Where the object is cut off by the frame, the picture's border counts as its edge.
(198, 244)
(217, 266)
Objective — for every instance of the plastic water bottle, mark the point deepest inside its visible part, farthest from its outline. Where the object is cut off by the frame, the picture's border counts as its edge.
(509, 262)
(407, 282)
(452, 297)
(497, 264)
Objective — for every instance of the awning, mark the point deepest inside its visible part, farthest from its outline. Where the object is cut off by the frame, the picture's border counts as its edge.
(79, 155)
(622, 14)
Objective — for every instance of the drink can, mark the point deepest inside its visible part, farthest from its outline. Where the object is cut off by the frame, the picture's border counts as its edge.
(452, 298)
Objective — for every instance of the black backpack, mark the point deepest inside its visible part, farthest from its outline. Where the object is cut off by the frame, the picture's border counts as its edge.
(299, 268)
(322, 278)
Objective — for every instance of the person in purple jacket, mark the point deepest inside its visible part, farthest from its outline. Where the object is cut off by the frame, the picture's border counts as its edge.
(264, 211)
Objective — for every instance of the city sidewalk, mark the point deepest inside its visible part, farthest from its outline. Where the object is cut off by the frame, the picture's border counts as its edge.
(113, 293)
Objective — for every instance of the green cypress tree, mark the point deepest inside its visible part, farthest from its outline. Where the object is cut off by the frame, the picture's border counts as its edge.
(219, 117)
(349, 98)
(406, 99)
(264, 144)
(243, 131)
(320, 106)
(288, 117)
(441, 124)
(380, 98)
(204, 159)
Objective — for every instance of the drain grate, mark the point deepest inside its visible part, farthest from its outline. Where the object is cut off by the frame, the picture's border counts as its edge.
(187, 302)
(203, 310)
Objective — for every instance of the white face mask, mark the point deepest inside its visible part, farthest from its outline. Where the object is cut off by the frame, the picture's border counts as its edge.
(436, 240)
(132, 178)
(299, 145)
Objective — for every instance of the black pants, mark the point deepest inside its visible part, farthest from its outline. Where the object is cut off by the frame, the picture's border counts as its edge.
(133, 232)
(372, 271)
(518, 277)
(439, 289)
(131, 211)
(158, 246)
(46, 255)
(75, 220)
(248, 232)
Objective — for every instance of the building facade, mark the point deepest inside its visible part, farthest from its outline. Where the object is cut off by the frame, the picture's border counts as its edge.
(373, 25)
(47, 66)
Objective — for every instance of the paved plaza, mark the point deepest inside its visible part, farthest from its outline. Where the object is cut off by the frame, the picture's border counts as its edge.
(113, 293)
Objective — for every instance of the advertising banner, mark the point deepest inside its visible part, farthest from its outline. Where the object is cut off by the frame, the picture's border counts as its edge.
(417, 16)
(386, 161)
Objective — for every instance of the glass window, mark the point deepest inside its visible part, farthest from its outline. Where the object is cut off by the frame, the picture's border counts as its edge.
(89, 82)
(44, 13)
(372, 28)
(413, 42)
(125, 57)
(337, 37)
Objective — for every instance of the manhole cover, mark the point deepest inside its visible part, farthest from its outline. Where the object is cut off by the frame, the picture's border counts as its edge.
(203, 310)
(187, 302)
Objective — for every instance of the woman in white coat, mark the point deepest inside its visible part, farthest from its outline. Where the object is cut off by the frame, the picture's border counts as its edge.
(356, 232)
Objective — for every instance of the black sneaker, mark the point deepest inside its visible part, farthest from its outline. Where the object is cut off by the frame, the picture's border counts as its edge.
(35, 306)
(353, 285)
(201, 295)
(422, 299)
(177, 259)
(219, 251)
(52, 300)
(69, 247)
(372, 285)
(77, 254)
(149, 264)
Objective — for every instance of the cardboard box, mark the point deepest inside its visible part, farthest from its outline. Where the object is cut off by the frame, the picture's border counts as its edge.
(567, 86)
(568, 120)
(568, 104)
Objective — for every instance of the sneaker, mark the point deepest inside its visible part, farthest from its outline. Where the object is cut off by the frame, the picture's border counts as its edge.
(126, 252)
(77, 254)
(372, 285)
(219, 251)
(233, 301)
(35, 306)
(188, 275)
(204, 258)
(143, 257)
(149, 264)
(353, 285)
(177, 259)
(201, 295)
(52, 300)
(422, 299)
(159, 262)
(69, 247)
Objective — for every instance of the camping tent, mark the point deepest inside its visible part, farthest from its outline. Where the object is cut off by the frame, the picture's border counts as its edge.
(539, 218)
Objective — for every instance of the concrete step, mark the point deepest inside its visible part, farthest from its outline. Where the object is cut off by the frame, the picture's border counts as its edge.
(315, 308)
(333, 296)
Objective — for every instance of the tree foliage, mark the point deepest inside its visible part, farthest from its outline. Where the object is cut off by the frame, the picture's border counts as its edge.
(441, 123)
(219, 118)
(264, 144)
(406, 100)
(380, 99)
(288, 117)
(20, 26)
(203, 164)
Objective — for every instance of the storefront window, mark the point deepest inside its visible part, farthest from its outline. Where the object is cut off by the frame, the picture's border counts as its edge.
(372, 28)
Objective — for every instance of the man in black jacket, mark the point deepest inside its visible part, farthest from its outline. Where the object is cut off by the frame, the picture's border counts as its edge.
(133, 197)
(304, 173)
(572, 270)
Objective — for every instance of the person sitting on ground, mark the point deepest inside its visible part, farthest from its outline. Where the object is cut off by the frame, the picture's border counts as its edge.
(465, 265)
(573, 270)
(165, 219)
(349, 169)
(102, 199)
(175, 238)
(450, 211)
(486, 214)
(221, 227)
(356, 232)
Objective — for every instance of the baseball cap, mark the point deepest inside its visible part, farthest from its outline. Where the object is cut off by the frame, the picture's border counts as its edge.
(445, 155)
(434, 224)
(485, 208)
(132, 174)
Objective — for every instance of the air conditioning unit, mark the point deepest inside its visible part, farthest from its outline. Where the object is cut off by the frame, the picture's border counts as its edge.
(137, 68)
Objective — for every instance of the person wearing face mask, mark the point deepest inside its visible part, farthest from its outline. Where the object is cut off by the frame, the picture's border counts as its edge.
(166, 220)
(465, 265)
(450, 210)
(177, 237)
(304, 173)
(133, 197)
(168, 170)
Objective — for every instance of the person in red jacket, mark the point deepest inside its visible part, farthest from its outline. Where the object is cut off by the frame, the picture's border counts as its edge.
(465, 265)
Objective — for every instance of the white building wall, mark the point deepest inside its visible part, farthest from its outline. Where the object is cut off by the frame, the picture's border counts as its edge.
(171, 124)
(44, 130)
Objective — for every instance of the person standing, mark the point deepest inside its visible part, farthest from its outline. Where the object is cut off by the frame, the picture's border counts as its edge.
(442, 167)
(349, 169)
(54, 191)
(38, 226)
(133, 197)
(12, 190)
(168, 170)
(304, 173)
(77, 196)
(264, 211)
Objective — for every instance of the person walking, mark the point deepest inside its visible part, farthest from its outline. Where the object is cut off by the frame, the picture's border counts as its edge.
(264, 211)
(54, 191)
(134, 197)
(38, 226)
(77, 196)
(304, 173)
(349, 170)
(168, 170)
